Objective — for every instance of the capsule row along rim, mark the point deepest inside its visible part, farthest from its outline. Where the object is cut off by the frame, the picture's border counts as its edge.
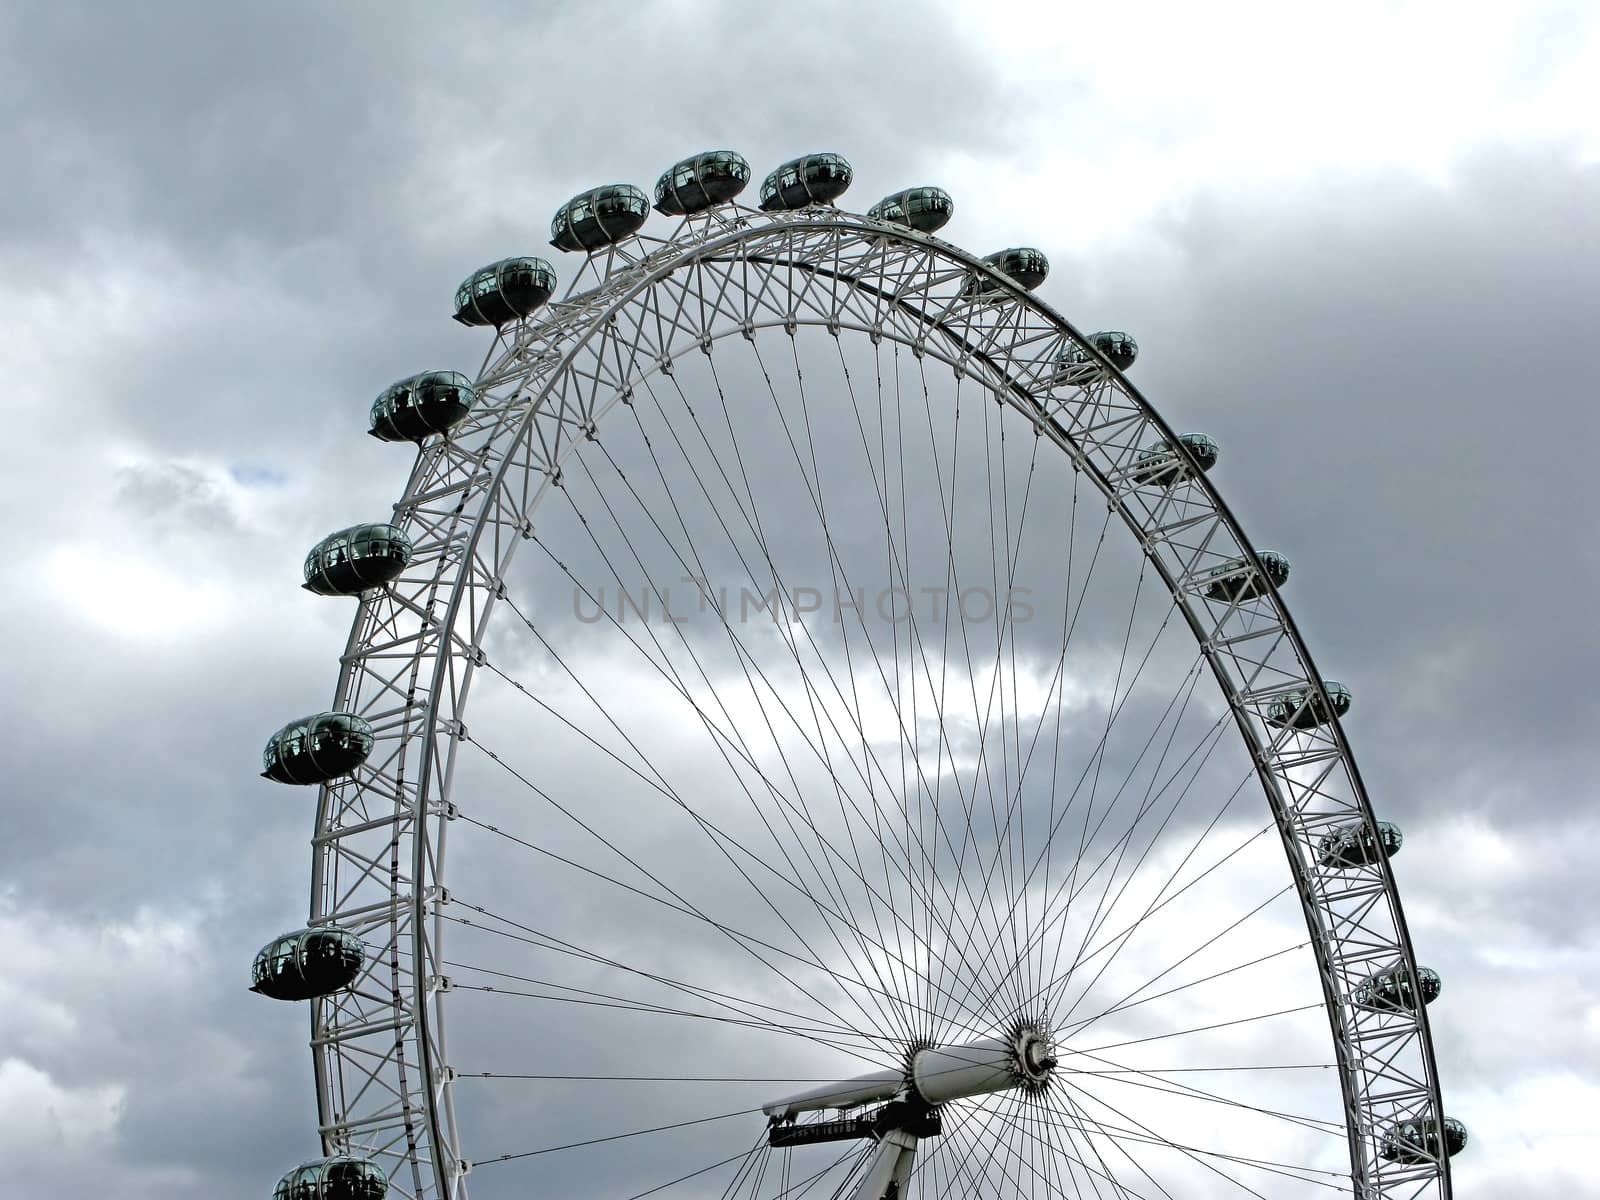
(611, 213)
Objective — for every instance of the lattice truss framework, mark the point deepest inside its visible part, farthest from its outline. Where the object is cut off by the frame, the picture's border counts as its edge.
(383, 1083)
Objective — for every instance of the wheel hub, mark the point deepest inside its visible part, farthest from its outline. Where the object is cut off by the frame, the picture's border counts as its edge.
(1023, 1057)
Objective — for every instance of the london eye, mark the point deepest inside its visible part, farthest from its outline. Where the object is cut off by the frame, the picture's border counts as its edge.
(889, 770)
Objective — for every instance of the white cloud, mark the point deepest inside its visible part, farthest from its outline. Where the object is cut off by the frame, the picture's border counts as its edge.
(40, 1119)
(1143, 105)
(1531, 1138)
(59, 977)
(123, 594)
(58, 970)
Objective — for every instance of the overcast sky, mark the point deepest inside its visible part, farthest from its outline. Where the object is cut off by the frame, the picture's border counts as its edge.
(1361, 251)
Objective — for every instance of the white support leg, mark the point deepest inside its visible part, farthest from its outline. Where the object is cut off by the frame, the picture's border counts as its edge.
(889, 1169)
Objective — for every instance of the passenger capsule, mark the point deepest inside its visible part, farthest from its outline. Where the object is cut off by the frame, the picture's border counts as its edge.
(1391, 991)
(338, 1177)
(1027, 266)
(1359, 845)
(1161, 466)
(1423, 1139)
(704, 181)
(307, 963)
(1303, 708)
(1238, 579)
(504, 291)
(804, 181)
(599, 217)
(317, 748)
(425, 404)
(352, 560)
(924, 209)
(1118, 347)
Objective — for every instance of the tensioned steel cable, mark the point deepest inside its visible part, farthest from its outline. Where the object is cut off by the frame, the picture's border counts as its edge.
(1007, 868)
(750, 658)
(1140, 1134)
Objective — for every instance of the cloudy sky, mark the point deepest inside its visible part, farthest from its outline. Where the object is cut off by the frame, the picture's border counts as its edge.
(1361, 252)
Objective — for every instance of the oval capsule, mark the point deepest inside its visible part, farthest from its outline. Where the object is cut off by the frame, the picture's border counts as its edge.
(504, 291)
(599, 218)
(810, 179)
(701, 182)
(317, 748)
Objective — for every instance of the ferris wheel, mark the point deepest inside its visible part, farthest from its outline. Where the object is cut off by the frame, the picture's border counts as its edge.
(889, 772)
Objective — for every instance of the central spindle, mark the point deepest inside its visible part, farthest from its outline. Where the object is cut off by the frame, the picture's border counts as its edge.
(935, 1075)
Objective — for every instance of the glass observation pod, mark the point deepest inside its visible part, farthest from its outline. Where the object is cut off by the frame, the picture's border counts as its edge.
(599, 218)
(338, 1177)
(350, 561)
(1423, 1139)
(1023, 264)
(1391, 991)
(1237, 579)
(807, 180)
(307, 963)
(420, 406)
(504, 291)
(1303, 708)
(1359, 845)
(924, 209)
(317, 748)
(1118, 347)
(701, 182)
(1161, 466)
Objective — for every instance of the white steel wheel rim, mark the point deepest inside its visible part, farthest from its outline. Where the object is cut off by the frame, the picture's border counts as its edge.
(384, 1080)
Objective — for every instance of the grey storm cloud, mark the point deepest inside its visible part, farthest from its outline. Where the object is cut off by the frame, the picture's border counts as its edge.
(1420, 430)
(229, 228)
